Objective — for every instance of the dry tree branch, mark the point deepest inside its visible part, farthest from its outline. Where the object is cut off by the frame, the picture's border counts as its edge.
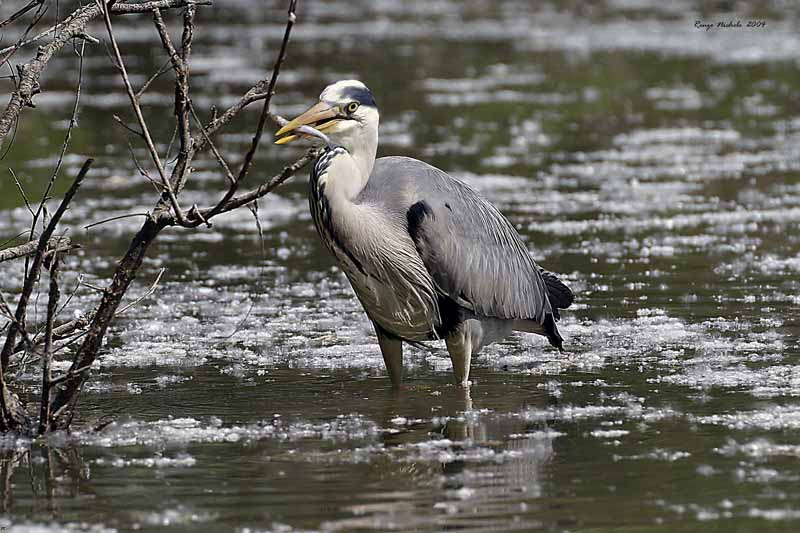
(33, 275)
(217, 154)
(20, 12)
(72, 27)
(70, 385)
(59, 395)
(163, 69)
(26, 339)
(22, 192)
(59, 332)
(112, 219)
(181, 82)
(72, 122)
(146, 294)
(182, 168)
(37, 17)
(265, 188)
(12, 411)
(54, 244)
(93, 10)
(140, 118)
(248, 158)
(47, 356)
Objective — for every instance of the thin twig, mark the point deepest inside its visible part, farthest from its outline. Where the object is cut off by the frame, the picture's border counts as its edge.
(91, 10)
(239, 325)
(64, 144)
(22, 192)
(147, 293)
(20, 12)
(13, 238)
(181, 81)
(129, 215)
(59, 332)
(73, 26)
(119, 121)
(206, 215)
(265, 188)
(38, 16)
(30, 280)
(217, 154)
(276, 69)
(68, 375)
(162, 69)
(72, 293)
(14, 322)
(253, 208)
(140, 118)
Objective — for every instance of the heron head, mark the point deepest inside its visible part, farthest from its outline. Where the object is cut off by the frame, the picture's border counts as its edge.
(346, 113)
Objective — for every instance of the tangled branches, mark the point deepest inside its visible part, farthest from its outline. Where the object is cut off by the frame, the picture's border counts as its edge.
(60, 393)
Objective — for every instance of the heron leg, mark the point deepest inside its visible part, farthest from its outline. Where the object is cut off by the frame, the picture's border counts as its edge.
(459, 345)
(392, 351)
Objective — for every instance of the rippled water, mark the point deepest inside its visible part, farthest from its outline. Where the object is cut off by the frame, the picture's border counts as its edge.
(655, 165)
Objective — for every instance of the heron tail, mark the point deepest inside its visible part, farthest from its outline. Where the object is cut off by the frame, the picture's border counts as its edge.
(558, 293)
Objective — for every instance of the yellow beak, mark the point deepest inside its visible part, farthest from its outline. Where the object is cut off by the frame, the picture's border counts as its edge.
(320, 117)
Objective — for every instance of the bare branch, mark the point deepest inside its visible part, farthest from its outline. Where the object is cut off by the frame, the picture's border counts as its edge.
(71, 384)
(30, 280)
(217, 154)
(72, 27)
(265, 188)
(147, 293)
(103, 314)
(263, 90)
(37, 17)
(20, 12)
(47, 357)
(93, 10)
(55, 244)
(64, 145)
(111, 219)
(121, 122)
(22, 192)
(205, 215)
(140, 119)
(181, 79)
(26, 339)
(248, 158)
(59, 332)
(161, 70)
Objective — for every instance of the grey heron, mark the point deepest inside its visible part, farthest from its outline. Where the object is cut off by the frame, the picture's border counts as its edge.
(427, 256)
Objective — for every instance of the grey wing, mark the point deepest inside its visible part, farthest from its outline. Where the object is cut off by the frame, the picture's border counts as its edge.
(471, 251)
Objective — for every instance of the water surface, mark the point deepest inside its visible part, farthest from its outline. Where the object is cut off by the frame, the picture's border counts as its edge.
(653, 164)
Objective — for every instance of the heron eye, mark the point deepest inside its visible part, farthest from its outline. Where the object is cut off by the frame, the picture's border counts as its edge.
(351, 107)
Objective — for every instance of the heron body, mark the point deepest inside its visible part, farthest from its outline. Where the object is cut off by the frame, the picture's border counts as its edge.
(426, 255)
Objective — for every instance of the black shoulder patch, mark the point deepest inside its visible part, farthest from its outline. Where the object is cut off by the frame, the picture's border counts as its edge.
(415, 215)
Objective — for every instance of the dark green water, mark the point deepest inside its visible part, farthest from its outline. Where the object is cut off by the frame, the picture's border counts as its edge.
(656, 165)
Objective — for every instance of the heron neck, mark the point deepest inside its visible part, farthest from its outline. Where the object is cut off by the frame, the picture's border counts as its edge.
(354, 160)
(364, 154)
(346, 172)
